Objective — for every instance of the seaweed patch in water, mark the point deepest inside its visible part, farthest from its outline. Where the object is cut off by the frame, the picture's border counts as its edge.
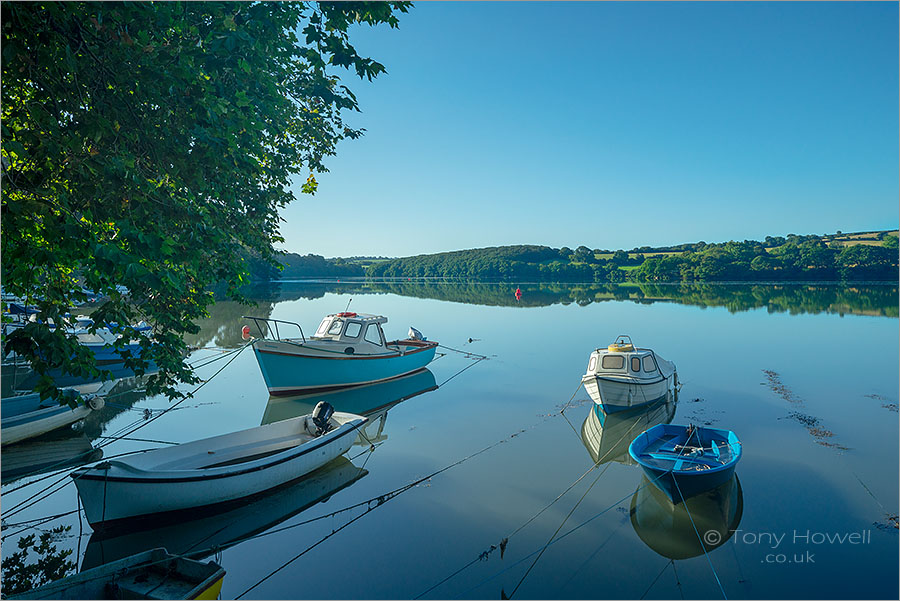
(776, 386)
(833, 445)
(807, 420)
(816, 431)
(821, 432)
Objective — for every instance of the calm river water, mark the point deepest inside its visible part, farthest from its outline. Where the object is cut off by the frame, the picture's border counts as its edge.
(805, 375)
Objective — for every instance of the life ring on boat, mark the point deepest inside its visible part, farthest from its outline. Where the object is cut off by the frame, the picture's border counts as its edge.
(346, 314)
(96, 403)
(620, 348)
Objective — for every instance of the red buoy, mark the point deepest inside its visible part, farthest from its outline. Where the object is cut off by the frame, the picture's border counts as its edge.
(245, 332)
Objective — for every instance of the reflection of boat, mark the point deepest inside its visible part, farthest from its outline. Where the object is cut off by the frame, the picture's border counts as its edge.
(361, 400)
(213, 470)
(101, 340)
(33, 457)
(28, 378)
(606, 436)
(26, 416)
(622, 376)
(348, 349)
(150, 575)
(686, 460)
(197, 533)
(669, 529)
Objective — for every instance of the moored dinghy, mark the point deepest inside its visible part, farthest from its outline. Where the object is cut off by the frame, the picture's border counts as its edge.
(683, 461)
(27, 416)
(214, 470)
(348, 349)
(623, 376)
(149, 575)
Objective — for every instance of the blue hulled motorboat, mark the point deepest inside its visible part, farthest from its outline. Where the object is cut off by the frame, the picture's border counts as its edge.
(348, 349)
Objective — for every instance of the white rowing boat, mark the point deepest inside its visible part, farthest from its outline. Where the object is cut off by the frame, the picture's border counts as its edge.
(214, 470)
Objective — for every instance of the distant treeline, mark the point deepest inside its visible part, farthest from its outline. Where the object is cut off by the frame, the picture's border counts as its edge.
(792, 258)
(797, 258)
(304, 266)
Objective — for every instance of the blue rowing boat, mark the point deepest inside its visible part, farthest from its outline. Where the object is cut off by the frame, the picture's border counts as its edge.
(683, 461)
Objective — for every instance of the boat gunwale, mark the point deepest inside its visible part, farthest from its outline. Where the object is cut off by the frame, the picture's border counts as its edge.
(618, 379)
(343, 356)
(734, 445)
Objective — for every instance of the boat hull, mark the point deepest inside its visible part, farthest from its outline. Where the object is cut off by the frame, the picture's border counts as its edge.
(290, 369)
(614, 394)
(679, 486)
(19, 424)
(115, 491)
(198, 533)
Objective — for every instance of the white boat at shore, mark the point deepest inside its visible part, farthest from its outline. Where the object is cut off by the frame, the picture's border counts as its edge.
(214, 470)
(27, 416)
(623, 376)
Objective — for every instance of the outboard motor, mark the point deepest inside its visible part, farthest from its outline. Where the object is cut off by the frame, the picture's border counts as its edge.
(415, 334)
(320, 416)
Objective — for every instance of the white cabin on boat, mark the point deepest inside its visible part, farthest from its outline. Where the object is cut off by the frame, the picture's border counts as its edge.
(361, 330)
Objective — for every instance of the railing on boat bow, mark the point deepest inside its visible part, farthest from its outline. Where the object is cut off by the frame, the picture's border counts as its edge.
(269, 329)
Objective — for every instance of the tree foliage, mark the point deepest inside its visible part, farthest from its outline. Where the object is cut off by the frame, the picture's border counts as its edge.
(21, 575)
(151, 145)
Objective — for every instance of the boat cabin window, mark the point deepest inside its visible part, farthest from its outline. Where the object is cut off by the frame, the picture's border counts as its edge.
(649, 364)
(613, 362)
(353, 329)
(373, 334)
(323, 327)
(336, 326)
(592, 363)
(635, 364)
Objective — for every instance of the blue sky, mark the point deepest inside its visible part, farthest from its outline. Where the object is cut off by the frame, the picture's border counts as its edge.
(613, 125)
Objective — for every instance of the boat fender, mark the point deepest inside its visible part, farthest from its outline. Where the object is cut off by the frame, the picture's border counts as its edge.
(620, 348)
(349, 350)
(96, 403)
(320, 416)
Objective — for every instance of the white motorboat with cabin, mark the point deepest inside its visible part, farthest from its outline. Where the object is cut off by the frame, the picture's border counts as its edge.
(348, 349)
(622, 376)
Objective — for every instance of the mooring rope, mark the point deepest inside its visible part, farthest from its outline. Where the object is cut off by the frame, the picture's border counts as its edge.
(561, 537)
(697, 532)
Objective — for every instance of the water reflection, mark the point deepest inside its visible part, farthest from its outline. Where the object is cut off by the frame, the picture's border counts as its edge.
(858, 299)
(606, 436)
(53, 451)
(372, 401)
(197, 533)
(669, 530)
